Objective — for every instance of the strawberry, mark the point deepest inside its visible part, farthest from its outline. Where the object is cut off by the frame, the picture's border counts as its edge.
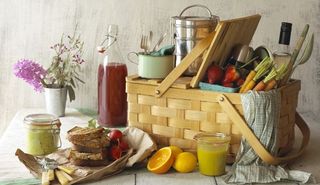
(227, 84)
(231, 74)
(240, 81)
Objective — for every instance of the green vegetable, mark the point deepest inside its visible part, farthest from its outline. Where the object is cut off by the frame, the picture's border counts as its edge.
(92, 123)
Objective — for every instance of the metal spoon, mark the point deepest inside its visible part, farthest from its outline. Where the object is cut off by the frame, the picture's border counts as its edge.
(159, 42)
(150, 40)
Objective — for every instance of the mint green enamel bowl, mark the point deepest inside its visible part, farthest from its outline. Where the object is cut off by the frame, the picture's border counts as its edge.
(155, 66)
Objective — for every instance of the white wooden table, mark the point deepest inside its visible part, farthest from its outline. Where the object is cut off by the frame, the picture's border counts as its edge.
(14, 137)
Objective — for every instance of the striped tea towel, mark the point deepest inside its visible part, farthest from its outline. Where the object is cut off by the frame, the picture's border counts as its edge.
(262, 113)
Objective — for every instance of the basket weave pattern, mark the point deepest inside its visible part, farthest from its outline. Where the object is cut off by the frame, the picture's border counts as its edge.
(180, 114)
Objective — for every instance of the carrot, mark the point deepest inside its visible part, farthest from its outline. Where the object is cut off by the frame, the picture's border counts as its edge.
(249, 86)
(264, 65)
(248, 79)
(270, 85)
(262, 84)
(252, 83)
(280, 74)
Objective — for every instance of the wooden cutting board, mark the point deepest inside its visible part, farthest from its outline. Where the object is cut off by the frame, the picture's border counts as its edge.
(229, 34)
(215, 48)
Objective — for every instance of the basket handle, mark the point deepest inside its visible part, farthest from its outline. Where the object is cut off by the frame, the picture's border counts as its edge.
(185, 63)
(254, 142)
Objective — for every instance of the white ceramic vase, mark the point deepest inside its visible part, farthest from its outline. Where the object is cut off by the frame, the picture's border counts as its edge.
(56, 99)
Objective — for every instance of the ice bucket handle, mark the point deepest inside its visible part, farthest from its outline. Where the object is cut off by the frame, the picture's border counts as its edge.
(197, 5)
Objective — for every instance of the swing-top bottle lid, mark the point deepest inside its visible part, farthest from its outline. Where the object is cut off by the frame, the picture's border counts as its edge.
(285, 33)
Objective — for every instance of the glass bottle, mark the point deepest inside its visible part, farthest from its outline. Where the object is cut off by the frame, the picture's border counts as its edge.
(283, 55)
(112, 71)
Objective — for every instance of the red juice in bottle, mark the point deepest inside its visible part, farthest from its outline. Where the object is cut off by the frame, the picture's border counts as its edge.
(112, 97)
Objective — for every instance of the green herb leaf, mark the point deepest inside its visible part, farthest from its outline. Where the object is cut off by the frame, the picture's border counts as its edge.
(72, 95)
(92, 123)
(72, 83)
(79, 79)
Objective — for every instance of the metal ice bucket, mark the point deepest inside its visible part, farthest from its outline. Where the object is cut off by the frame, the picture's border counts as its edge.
(188, 31)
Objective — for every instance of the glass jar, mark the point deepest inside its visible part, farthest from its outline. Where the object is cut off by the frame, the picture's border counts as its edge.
(212, 152)
(112, 72)
(43, 134)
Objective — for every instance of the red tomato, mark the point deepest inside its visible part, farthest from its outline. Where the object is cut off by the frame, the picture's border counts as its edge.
(123, 145)
(115, 135)
(115, 152)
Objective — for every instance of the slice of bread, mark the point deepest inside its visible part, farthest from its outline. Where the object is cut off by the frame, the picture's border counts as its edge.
(87, 156)
(88, 159)
(85, 149)
(100, 142)
(79, 133)
(90, 163)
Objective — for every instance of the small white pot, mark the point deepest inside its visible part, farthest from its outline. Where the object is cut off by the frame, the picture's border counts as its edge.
(56, 99)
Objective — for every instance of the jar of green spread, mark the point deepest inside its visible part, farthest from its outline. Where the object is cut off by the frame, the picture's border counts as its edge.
(43, 134)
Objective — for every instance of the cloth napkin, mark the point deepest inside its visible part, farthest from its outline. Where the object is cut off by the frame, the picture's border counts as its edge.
(29, 181)
(262, 113)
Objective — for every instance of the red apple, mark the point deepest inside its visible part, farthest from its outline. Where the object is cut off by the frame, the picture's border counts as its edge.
(214, 74)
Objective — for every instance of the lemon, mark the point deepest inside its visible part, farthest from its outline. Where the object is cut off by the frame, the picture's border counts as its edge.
(185, 162)
(161, 161)
(176, 151)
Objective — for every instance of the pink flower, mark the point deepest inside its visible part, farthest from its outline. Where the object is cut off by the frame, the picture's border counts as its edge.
(31, 72)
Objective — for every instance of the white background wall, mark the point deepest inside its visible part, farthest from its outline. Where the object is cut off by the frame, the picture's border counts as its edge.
(28, 28)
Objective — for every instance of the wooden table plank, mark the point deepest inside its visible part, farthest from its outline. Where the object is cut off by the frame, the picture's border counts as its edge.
(126, 179)
(144, 177)
(13, 138)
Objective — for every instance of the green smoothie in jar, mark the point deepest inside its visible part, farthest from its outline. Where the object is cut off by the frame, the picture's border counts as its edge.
(43, 134)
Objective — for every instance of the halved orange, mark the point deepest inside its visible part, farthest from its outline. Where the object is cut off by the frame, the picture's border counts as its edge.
(161, 161)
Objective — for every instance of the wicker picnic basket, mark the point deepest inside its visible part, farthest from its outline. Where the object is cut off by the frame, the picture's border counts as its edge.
(173, 113)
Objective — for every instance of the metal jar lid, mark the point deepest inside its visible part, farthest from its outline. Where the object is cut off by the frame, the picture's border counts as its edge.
(42, 120)
(195, 21)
